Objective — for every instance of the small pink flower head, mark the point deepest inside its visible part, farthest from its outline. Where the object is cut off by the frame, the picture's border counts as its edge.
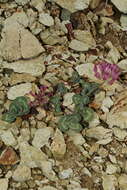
(107, 71)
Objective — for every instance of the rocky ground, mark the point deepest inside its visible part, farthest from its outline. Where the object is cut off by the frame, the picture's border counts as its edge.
(44, 43)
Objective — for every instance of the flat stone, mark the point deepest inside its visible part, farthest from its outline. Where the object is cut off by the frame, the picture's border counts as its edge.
(30, 46)
(121, 134)
(22, 173)
(20, 78)
(98, 132)
(111, 169)
(22, 2)
(41, 137)
(24, 45)
(8, 138)
(4, 184)
(66, 174)
(78, 45)
(8, 157)
(121, 6)
(31, 156)
(58, 146)
(123, 21)
(68, 99)
(46, 19)
(47, 187)
(73, 5)
(19, 90)
(85, 37)
(35, 67)
(109, 182)
(122, 182)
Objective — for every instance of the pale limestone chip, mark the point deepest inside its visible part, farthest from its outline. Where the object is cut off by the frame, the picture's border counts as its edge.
(73, 5)
(58, 146)
(35, 67)
(99, 133)
(4, 184)
(42, 136)
(121, 134)
(22, 173)
(19, 90)
(109, 182)
(78, 45)
(122, 180)
(121, 6)
(113, 54)
(46, 19)
(118, 114)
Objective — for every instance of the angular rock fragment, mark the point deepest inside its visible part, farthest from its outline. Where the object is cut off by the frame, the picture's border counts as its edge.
(8, 157)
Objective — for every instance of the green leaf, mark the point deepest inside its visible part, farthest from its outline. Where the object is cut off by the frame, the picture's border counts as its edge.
(8, 117)
(61, 89)
(76, 127)
(87, 114)
(75, 78)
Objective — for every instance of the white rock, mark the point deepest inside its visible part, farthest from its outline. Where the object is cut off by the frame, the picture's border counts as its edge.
(119, 133)
(123, 65)
(22, 2)
(41, 137)
(73, 5)
(31, 156)
(87, 70)
(19, 90)
(122, 6)
(111, 169)
(113, 54)
(123, 21)
(66, 174)
(85, 37)
(35, 67)
(22, 173)
(78, 45)
(77, 138)
(24, 45)
(19, 18)
(109, 182)
(58, 146)
(47, 187)
(68, 99)
(122, 182)
(106, 104)
(8, 138)
(30, 46)
(98, 133)
(4, 184)
(46, 19)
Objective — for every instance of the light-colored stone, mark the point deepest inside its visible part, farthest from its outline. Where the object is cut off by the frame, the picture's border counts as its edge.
(111, 169)
(98, 133)
(78, 45)
(68, 99)
(31, 156)
(42, 136)
(109, 182)
(94, 3)
(4, 184)
(22, 173)
(113, 54)
(118, 114)
(121, 134)
(106, 104)
(24, 45)
(58, 146)
(8, 138)
(77, 138)
(123, 65)
(123, 182)
(22, 2)
(46, 19)
(66, 174)
(19, 90)
(30, 46)
(123, 21)
(20, 78)
(35, 67)
(85, 37)
(73, 5)
(47, 187)
(122, 6)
